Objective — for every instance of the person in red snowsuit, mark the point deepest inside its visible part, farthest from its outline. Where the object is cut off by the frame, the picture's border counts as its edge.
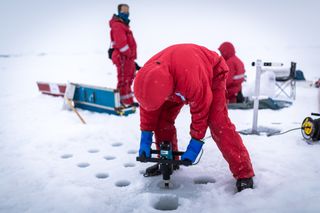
(236, 71)
(189, 74)
(124, 53)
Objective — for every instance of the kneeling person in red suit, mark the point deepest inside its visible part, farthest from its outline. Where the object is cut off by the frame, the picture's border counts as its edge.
(236, 72)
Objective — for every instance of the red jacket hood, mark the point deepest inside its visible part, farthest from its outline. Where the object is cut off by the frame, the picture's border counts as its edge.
(227, 50)
(153, 85)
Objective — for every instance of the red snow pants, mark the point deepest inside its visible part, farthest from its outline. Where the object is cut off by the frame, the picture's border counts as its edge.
(126, 70)
(225, 135)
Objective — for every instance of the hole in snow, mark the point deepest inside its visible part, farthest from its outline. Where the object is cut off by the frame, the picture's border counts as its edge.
(109, 157)
(129, 165)
(116, 144)
(93, 150)
(132, 152)
(83, 165)
(204, 180)
(122, 183)
(167, 203)
(66, 156)
(102, 175)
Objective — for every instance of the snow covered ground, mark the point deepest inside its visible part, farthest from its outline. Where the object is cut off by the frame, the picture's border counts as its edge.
(50, 162)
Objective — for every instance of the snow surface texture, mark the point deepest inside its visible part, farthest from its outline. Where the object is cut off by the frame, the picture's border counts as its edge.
(50, 162)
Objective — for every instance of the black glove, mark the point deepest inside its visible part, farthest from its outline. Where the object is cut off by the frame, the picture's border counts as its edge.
(137, 66)
(110, 51)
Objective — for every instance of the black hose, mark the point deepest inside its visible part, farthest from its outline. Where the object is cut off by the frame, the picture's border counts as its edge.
(281, 133)
(315, 114)
(198, 158)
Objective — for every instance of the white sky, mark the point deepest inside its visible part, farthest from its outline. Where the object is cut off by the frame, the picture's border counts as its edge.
(277, 30)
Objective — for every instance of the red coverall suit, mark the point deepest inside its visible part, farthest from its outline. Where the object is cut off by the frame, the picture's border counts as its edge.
(123, 56)
(190, 74)
(236, 71)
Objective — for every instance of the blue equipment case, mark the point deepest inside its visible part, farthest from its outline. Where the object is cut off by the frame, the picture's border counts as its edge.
(99, 99)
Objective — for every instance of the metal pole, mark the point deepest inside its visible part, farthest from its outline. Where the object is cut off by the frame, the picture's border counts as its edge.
(256, 98)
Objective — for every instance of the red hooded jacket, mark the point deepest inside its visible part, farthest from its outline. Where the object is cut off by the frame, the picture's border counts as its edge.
(122, 40)
(181, 74)
(236, 70)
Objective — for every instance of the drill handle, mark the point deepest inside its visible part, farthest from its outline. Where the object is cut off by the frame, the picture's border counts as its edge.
(174, 153)
(164, 161)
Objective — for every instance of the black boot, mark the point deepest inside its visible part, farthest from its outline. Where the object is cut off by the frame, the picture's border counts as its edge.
(244, 183)
(135, 104)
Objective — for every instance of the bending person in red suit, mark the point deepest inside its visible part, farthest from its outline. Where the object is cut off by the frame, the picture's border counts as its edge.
(190, 74)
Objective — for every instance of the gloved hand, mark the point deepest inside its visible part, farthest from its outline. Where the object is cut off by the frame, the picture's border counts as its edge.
(145, 143)
(110, 51)
(193, 150)
(137, 66)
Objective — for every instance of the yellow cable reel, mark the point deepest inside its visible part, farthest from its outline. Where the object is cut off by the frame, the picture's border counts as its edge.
(310, 129)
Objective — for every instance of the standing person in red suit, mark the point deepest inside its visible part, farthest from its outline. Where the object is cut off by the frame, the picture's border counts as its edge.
(236, 72)
(189, 74)
(124, 52)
